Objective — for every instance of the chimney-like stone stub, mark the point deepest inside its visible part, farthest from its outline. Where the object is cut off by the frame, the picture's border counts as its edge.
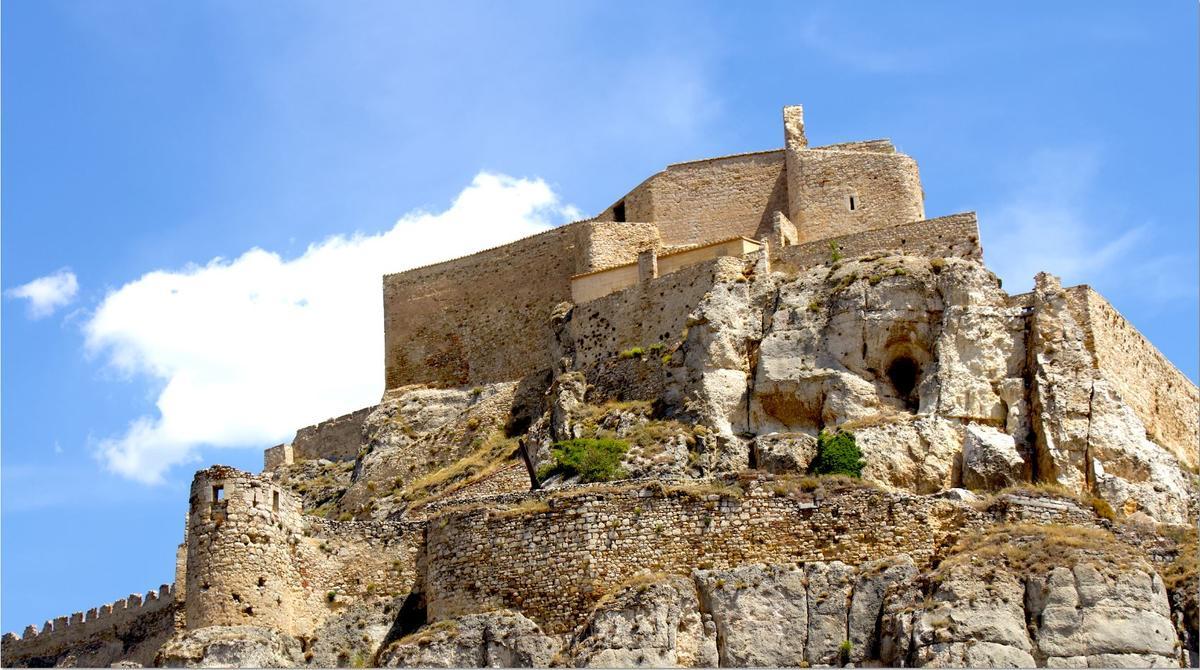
(793, 128)
(647, 265)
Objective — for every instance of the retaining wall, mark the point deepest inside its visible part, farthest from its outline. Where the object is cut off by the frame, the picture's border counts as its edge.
(956, 235)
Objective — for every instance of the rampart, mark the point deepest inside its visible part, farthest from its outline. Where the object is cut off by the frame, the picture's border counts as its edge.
(587, 287)
(129, 629)
(1166, 401)
(553, 559)
(336, 439)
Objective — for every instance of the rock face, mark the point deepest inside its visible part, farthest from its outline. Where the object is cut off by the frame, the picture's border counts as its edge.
(660, 624)
(500, 639)
(231, 647)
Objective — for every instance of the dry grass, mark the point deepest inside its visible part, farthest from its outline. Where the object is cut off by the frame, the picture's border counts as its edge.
(494, 453)
(524, 508)
(1184, 571)
(1027, 549)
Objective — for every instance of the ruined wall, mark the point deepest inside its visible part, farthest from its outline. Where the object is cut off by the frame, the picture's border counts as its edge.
(1166, 401)
(554, 562)
(955, 236)
(336, 439)
(710, 199)
(852, 188)
(130, 629)
(479, 318)
(254, 559)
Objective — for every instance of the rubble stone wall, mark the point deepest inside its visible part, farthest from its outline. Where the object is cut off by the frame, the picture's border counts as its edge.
(956, 235)
(336, 439)
(555, 557)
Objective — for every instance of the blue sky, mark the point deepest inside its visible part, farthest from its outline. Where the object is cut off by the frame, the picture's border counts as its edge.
(191, 176)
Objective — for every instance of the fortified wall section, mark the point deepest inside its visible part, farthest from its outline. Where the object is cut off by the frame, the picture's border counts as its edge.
(254, 559)
(98, 637)
(1166, 401)
(554, 564)
(480, 318)
(851, 188)
(336, 439)
(708, 199)
(654, 311)
(956, 235)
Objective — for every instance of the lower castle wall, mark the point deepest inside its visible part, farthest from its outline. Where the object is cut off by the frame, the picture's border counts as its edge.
(336, 439)
(1166, 401)
(129, 629)
(555, 562)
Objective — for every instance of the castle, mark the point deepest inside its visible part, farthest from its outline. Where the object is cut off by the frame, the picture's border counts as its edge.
(718, 318)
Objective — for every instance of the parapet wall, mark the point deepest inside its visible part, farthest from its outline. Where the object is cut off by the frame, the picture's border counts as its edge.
(1166, 401)
(554, 561)
(956, 235)
(103, 629)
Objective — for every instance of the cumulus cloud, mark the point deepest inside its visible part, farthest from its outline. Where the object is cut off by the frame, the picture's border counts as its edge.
(247, 350)
(47, 294)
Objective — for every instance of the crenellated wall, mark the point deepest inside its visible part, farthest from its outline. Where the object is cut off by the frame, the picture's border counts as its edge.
(128, 629)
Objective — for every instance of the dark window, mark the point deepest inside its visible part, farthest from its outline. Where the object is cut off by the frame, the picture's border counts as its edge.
(853, 203)
(275, 501)
(218, 493)
(619, 211)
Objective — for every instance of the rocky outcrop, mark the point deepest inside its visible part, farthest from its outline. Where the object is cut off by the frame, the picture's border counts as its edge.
(231, 647)
(656, 624)
(500, 639)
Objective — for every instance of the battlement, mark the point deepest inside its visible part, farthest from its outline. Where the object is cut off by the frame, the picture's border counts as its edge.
(147, 613)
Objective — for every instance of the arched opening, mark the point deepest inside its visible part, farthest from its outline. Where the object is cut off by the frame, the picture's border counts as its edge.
(904, 372)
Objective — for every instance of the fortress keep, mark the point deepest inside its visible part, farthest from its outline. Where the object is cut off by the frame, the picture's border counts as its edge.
(1028, 490)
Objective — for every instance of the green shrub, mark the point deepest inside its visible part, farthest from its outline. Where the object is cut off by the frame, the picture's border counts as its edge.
(594, 460)
(835, 253)
(837, 454)
(636, 352)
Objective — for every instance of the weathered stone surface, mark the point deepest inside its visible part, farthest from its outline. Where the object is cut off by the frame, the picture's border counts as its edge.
(500, 639)
(973, 621)
(871, 586)
(656, 624)
(1082, 612)
(761, 613)
(231, 647)
(990, 459)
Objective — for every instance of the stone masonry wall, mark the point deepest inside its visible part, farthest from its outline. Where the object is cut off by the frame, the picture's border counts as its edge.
(646, 313)
(1166, 401)
(956, 235)
(480, 318)
(336, 439)
(886, 188)
(255, 559)
(97, 637)
(554, 561)
(710, 199)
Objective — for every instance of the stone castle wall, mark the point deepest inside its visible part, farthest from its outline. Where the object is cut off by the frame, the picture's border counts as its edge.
(852, 188)
(555, 561)
(712, 199)
(336, 439)
(956, 236)
(479, 318)
(98, 637)
(1166, 401)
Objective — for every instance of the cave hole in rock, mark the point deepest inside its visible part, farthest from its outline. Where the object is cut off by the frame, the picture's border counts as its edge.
(903, 372)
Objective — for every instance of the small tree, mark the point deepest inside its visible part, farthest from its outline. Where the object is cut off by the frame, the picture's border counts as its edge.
(593, 460)
(835, 252)
(837, 454)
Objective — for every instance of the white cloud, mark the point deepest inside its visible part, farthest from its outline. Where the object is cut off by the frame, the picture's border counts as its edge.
(1055, 220)
(47, 294)
(250, 349)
